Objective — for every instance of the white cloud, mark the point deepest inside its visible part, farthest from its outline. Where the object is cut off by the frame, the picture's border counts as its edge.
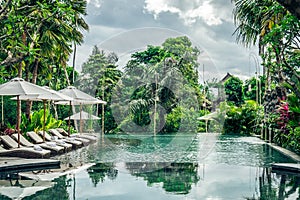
(190, 13)
(159, 6)
(124, 26)
(96, 3)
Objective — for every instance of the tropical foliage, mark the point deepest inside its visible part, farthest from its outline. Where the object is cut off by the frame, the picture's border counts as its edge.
(160, 91)
(37, 38)
(287, 124)
(254, 89)
(234, 90)
(98, 78)
(276, 31)
(36, 122)
(242, 119)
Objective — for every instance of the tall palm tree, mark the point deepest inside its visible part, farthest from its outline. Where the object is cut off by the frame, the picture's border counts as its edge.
(59, 26)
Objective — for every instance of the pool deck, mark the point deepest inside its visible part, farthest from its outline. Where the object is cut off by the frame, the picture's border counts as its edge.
(15, 165)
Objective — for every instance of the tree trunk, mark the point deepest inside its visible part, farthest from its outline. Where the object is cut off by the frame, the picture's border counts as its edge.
(34, 78)
(19, 103)
(74, 60)
(103, 113)
(66, 74)
(20, 70)
(27, 111)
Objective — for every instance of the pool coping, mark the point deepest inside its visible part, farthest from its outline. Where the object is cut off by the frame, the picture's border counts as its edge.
(286, 152)
(286, 168)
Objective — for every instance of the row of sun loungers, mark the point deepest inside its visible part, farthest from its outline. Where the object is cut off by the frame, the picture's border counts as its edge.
(56, 143)
(12, 149)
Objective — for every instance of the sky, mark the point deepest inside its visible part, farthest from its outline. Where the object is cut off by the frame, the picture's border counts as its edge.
(127, 26)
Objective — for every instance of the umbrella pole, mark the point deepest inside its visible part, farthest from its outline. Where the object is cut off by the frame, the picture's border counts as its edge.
(69, 122)
(2, 111)
(44, 101)
(18, 119)
(80, 121)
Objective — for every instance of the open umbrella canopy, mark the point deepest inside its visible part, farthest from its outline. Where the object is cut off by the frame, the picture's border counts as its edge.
(47, 95)
(210, 116)
(53, 95)
(79, 97)
(18, 87)
(25, 97)
(84, 116)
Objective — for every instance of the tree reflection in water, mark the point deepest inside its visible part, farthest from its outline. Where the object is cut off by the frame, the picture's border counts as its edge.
(176, 177)
(58, 191)
(99, 171)
(276, 186)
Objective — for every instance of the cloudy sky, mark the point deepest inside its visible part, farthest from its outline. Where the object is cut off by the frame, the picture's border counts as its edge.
(127, 26)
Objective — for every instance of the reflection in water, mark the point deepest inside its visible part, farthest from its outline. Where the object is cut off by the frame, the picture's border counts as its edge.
(175, 177)
(277, 186)
(237, 168)
(124, 141)
(58, 191)
(182, 179)
(14, 186)
(98, 172)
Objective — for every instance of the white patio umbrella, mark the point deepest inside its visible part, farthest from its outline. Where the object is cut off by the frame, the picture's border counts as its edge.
(52, 95)
(79, 98)
(210, 116)
(17, 87)
(49, 95)
(83, 115)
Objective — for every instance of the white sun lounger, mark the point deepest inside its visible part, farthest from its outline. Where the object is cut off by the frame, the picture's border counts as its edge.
(23, 152)
(55, 149)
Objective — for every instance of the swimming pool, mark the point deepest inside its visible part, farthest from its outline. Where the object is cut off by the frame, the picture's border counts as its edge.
(180, 166)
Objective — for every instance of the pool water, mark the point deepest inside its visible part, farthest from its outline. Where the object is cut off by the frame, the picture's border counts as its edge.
(179, 166)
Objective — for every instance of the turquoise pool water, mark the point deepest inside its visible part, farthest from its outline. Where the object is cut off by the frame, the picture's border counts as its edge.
(181, 166)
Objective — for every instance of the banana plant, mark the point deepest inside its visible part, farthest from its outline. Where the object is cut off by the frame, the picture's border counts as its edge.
(37, 120)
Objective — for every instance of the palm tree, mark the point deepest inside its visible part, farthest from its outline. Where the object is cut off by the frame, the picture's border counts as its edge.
(57, 31)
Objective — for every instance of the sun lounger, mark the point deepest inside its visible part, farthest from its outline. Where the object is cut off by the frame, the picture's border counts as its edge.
(23, 141)
(8, 142)
(55, 149)
(76, 144)
(34, 137)
(65, 133)
(23, 152)
(91, 137)
(67, 147)
(54, 132)
(87, 137)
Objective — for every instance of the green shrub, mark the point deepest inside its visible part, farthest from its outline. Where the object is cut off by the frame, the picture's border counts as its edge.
(37, 120)
(243, 120)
